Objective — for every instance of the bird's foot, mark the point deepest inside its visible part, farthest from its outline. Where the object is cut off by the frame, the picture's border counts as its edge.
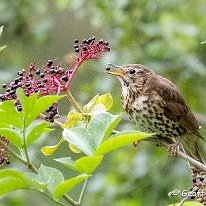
(172, 148)
(136, 143)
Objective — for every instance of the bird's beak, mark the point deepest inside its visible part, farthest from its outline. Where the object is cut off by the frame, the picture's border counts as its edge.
(120, 72)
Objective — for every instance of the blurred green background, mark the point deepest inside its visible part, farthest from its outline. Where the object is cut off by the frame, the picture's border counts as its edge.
(164, 35)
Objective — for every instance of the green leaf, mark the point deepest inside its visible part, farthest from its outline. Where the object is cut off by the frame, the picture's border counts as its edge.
(9, 115)
(41, 105)
(204, 42)
(189, 203)
(67, 185)
(12, 135)
(120, 140)
(27, 103)
(48, 150)
(79, 137)
(33, 106)
(83, 165)
(72, 119)
(88, 164)
(36, 130)
(50, 176)
(67, 161)
(11, 180)
(101, 126)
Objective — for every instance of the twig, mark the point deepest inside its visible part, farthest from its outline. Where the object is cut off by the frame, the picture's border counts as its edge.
(73, 101)
(187, 158)
(82, 192)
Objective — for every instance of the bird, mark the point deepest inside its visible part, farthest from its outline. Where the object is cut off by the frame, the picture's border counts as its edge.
(156, 105)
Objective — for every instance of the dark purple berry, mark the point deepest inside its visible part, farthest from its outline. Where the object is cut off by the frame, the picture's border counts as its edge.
(42, 75)
(4, 85)
(107, 68)
(19, 108)
(76, 50)
(50, 62)
(38, 71)
(76, 41)
(65, 78)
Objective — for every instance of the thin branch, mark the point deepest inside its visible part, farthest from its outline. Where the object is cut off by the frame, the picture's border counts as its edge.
(187, 158)
(82, 192)
(73, 101)
(70, 200)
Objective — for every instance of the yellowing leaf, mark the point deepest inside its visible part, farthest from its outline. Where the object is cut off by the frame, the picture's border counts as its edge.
(73, 118)
(87, 108)
(74, 148)
(48, 150)
(99, 104)
(106, 100)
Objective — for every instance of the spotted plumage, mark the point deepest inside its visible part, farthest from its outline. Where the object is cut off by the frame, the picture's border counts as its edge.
(155, 105)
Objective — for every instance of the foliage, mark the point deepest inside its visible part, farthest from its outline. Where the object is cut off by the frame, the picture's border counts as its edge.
(165, 36)
(92, 139)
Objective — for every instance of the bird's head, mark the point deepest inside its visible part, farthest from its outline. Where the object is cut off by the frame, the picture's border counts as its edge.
(131, 74)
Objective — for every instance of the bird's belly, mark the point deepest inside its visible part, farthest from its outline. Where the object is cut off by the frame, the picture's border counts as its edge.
(151, 118)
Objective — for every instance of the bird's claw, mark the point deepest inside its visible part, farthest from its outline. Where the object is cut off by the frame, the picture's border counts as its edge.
(173, 149)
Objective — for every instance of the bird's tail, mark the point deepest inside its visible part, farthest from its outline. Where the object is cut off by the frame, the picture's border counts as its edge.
(191, 147)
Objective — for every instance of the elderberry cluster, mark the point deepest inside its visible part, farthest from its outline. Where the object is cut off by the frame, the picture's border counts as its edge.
(46, 80)
(88, 48)
(4, 155)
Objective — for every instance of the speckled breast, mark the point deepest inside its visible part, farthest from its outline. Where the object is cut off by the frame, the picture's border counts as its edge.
(149, 116)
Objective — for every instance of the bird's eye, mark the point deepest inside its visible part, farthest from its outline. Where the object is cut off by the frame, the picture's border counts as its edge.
(131, 71)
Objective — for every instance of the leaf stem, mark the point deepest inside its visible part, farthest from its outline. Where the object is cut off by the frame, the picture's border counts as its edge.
(50, 197)
(82, 192)
(73, 101)
(70, 200)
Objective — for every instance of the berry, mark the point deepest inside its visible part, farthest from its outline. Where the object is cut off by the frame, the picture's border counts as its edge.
(42, 75)
(76, 50)
(50, 62)
(107, 68)
(38, 71)
(76, 41)
(4, 85)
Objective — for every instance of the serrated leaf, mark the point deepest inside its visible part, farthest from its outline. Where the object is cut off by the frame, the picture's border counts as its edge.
(8, 114)
(101, 126)
(120, 140)
(49, 176)
(67, 185)
(106, 100)
(12, 135)
(74, 149)
(36, 130)
(11, 180)
(48, 150)
(78, 136)
(83, 165)
(72, 119)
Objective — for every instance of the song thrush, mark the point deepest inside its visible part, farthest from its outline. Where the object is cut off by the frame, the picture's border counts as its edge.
(155, 105)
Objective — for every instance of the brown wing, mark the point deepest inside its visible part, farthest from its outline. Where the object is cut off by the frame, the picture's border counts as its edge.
(175, 106)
